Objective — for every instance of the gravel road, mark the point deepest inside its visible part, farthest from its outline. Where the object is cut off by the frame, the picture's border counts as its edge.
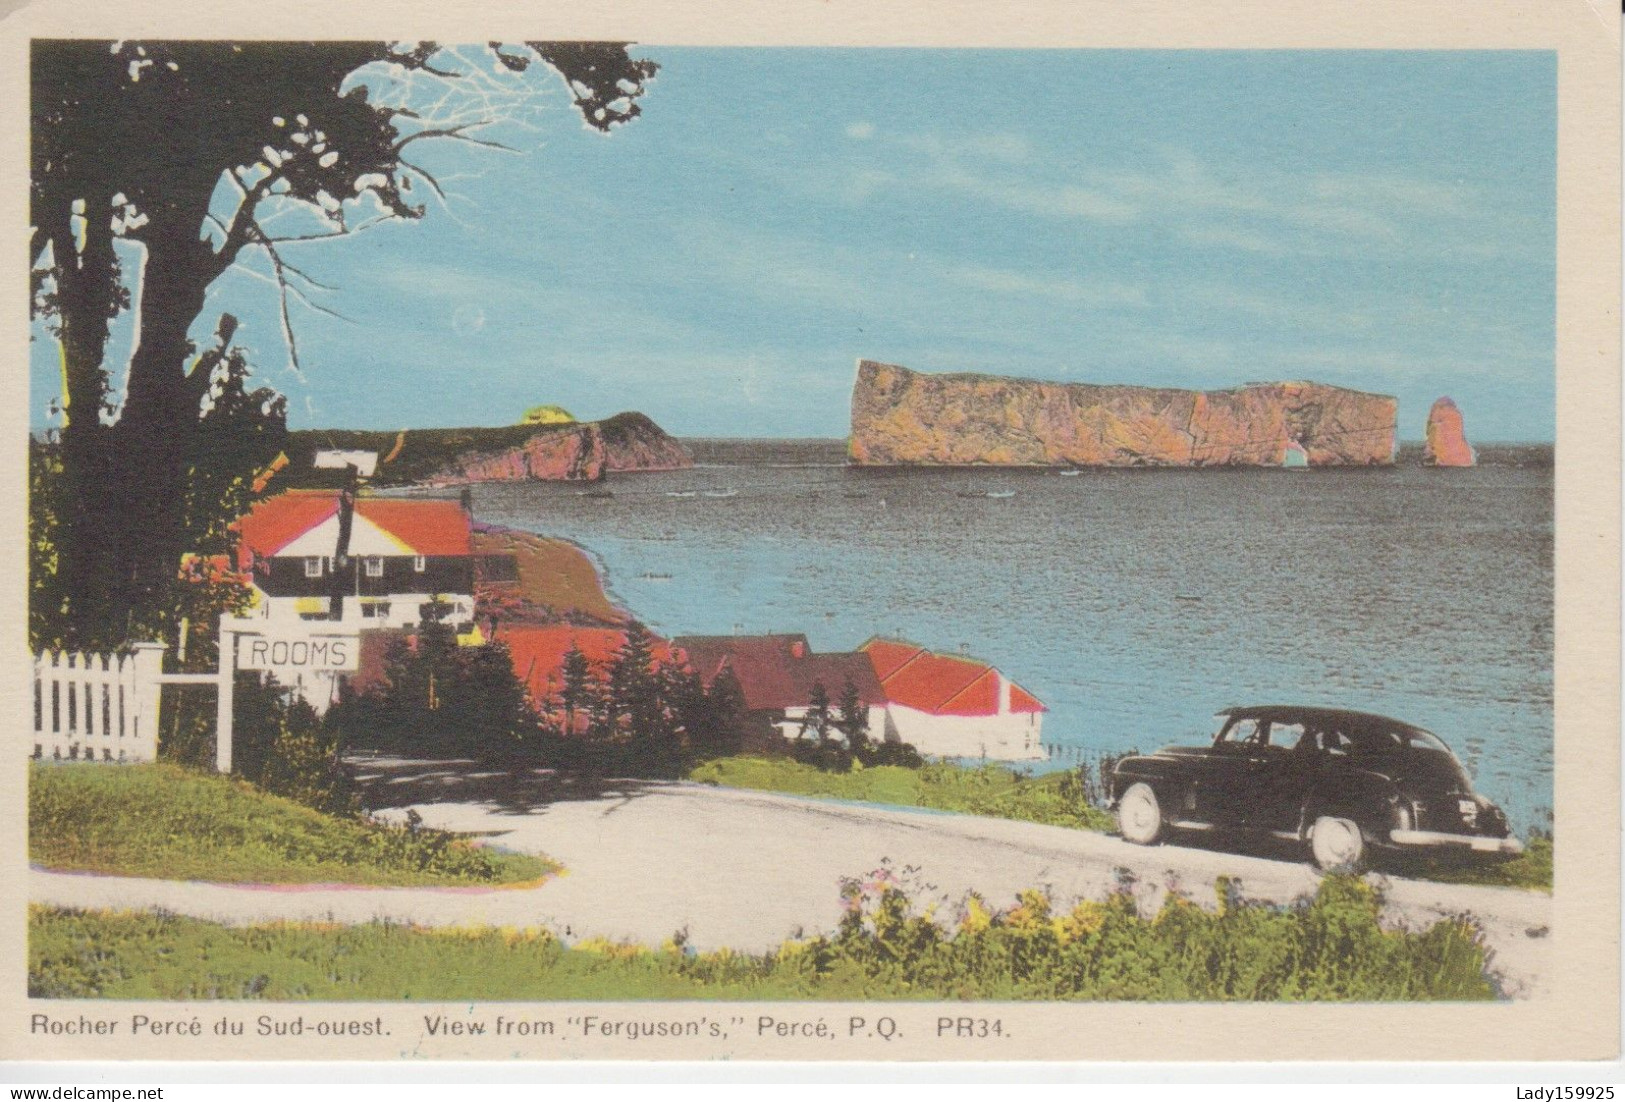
(744, 869)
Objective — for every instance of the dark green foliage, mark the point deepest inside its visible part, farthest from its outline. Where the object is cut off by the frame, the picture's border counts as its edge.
(278, 745)
(120, 128)
(723, 730)
(1330, 948)
(853, 721)
(826, 754)
(818, 719)
(440, 699)
(900, 754)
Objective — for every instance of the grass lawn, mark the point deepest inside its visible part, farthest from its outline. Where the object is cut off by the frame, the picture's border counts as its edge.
(1051, 798)
(979, 790)
(1532, 869)
(163, 821)
(1328, 949)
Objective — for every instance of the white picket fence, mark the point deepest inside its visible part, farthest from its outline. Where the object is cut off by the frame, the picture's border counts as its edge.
(97, 707)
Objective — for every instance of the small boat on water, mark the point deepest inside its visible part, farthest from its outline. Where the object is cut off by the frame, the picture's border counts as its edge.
(1001, 493)
(681, 493)
(651, 576)
(729, 492)
(1071, 472)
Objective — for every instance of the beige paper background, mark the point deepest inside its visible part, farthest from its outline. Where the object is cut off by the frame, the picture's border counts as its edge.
(1579, 1020)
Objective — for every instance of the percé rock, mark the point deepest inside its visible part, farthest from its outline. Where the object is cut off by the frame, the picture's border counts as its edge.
(1446, 438)
(508, 453)
(901, 417)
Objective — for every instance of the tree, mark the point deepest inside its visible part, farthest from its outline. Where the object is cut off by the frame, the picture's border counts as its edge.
(854, 721)
(579, 688)
(725, 725)
(817, 718)
(636, 705)
(131, 145)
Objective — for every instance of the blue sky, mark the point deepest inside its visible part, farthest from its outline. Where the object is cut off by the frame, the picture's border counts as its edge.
(1378, 220)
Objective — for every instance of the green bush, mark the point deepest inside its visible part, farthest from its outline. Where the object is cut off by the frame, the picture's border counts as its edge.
(1330, 948)
(990, 790)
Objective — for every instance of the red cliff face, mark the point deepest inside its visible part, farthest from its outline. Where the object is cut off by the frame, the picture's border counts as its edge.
(628, 442)
(1446, 438)
(900, 417)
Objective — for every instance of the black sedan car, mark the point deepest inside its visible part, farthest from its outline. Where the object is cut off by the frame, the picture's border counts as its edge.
(1343, 783)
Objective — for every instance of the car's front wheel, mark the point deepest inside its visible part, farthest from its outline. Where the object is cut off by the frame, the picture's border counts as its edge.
(1337, 844)
(1139, 815)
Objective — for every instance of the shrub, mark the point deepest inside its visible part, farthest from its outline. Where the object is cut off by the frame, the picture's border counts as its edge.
(889, 945)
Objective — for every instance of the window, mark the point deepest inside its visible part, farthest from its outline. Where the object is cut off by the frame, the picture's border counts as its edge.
(1286, 736)
(375, 610)
(313, 566)
(1241, 732)
(420, 563)
(375, 567)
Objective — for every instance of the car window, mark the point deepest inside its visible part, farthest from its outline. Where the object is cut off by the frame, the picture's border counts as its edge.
(1334, 741)
(1286, 736)
(1240, 732)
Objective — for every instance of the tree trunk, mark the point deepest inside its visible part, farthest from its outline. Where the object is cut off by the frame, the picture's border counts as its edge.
(155, 433)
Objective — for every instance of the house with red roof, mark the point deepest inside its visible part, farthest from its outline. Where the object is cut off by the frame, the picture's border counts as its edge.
(392, 559)
(954, 706)
(776, 674)
(538, 652)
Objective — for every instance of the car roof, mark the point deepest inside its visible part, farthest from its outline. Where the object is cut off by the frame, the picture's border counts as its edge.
(1310, 714)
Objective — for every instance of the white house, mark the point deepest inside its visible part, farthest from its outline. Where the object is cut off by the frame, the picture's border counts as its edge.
(405, 558)
(955, 707)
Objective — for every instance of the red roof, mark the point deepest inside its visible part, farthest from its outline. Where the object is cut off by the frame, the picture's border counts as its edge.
(538, 652)
(277, 521)
(426, 526)
(429, 526)
(889, 655)
(778, 671)
(941, 684)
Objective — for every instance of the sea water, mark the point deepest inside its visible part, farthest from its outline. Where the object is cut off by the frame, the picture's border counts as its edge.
(1133, 603)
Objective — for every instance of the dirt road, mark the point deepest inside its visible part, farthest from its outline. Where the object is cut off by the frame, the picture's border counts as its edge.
(747, 869)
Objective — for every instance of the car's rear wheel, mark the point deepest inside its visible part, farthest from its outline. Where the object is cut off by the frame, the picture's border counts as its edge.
(1337, 844)
(1139, 815)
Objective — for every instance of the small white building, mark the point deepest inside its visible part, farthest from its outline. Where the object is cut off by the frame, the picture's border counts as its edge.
(955, 707)
(334, 459)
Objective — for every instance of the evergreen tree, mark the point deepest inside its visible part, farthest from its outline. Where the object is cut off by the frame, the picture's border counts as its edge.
(817, 717)
(579, 689)
(636, 707)
(725, 705)
(854, 721)
(689, 707)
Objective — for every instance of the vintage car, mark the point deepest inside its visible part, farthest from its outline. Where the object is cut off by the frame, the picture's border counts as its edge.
(1345, 783)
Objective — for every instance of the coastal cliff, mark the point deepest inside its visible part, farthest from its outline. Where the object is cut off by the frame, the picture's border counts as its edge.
(510, 453)
(902, 417)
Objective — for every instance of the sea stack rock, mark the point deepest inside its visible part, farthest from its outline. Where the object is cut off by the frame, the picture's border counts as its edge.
(905, 418)
(1446, 440)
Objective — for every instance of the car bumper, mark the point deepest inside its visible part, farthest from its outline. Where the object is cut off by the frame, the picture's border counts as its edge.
(1436, 839)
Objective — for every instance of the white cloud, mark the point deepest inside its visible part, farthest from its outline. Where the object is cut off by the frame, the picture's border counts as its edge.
(860, 131)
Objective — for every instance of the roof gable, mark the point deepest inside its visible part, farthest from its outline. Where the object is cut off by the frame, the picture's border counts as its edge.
(306, 523)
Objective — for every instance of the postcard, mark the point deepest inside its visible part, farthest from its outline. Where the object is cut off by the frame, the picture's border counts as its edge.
(836, 531)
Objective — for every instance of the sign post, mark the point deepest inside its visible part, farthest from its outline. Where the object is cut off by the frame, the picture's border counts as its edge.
(223, 699)
(321, 649)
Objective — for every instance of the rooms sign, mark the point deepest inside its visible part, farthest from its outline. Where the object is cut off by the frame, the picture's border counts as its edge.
(294, 654)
